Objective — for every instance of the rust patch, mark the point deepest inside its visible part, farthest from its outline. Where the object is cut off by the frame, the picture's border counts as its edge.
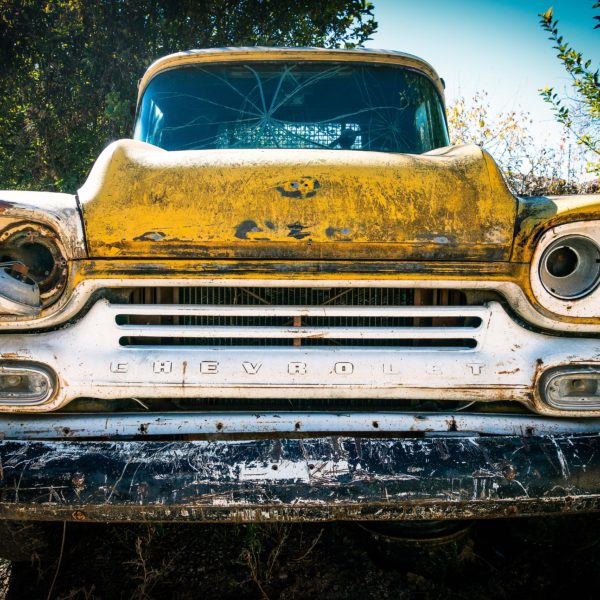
(4, 205)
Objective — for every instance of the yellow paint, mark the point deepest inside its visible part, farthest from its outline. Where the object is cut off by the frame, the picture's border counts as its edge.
(322, 270)
(446, 205)
(448, 211)
(538, 215)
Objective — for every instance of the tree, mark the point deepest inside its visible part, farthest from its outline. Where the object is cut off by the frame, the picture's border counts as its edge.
(70, 67)
(530, 169)
(580, 114)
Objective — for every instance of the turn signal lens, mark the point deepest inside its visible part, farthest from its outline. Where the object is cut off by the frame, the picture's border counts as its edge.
(24, 383)
(572, 389)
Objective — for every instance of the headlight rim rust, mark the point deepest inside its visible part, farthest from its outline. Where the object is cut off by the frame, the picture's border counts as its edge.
(550, 381)
(27, 241)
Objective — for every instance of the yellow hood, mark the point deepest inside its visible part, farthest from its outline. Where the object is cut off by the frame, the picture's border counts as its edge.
(450, 204)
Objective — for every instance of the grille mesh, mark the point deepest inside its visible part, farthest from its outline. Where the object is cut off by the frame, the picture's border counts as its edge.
(260, 297)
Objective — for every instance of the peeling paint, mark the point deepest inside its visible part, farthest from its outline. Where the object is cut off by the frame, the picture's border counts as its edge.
(304, 187)
(297, 231)
(151, 236)
(389, 199)
(311, 479)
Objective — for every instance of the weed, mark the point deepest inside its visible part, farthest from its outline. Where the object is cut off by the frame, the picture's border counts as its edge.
(262, 550)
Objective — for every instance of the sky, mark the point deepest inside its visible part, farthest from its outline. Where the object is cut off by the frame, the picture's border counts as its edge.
(497, 46)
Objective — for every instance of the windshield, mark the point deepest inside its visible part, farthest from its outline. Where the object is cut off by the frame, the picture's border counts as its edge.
(292, 105)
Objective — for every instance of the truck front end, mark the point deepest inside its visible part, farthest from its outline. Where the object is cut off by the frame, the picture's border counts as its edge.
(289, 298)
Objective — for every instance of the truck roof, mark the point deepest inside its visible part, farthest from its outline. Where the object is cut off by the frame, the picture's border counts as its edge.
(259, 53)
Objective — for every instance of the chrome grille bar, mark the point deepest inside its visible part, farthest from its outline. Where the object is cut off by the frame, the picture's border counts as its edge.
(348, 333)
(304, 311)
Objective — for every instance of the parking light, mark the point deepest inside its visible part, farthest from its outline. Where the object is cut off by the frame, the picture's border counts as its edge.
(25, 383)
(572, 388)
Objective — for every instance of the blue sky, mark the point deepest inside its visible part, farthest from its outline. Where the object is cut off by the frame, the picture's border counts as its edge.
(496, 46)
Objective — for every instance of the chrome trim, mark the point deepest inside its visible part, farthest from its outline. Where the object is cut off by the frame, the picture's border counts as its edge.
(587, 306)
(302, 332)
(90, 362)
(18, 297)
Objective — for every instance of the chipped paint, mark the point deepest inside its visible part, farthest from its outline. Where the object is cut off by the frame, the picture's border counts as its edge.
(304, 187)
(307, 479)
(199, 425)
(215, 199)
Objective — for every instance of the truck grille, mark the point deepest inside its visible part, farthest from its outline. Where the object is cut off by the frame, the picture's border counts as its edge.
(295, 316)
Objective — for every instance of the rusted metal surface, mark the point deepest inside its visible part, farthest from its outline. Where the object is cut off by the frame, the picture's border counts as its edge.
(90, 277)
(207, 425)
(57, 211)
(537, 215)
(39, 253)
(300, 479)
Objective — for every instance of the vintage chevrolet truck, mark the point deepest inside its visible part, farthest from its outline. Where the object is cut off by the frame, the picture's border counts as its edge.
(289, 298)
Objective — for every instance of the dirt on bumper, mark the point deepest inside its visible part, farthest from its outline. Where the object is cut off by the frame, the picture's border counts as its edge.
(300, 479)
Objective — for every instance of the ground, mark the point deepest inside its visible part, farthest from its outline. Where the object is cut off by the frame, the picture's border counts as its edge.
(540, 558)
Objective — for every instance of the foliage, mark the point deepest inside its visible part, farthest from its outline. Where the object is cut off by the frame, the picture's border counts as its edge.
(70, 67)
(581, 113)
(529, 169)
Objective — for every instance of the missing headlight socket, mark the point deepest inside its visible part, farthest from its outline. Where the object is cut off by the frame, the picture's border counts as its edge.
(39, 249)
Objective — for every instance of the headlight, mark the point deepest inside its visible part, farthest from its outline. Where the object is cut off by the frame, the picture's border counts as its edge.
(565, 270)
(570, 267)
(36, 256)
(19, 295)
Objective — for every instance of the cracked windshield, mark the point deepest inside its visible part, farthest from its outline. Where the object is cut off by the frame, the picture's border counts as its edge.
(288, 105)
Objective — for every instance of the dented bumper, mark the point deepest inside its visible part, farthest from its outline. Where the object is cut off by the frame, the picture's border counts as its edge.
(315, 476)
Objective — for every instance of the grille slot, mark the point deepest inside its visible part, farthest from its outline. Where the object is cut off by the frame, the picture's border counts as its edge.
(236, 316)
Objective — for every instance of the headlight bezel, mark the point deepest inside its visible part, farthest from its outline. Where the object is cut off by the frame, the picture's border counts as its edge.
(584, 303)
(28, 243)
